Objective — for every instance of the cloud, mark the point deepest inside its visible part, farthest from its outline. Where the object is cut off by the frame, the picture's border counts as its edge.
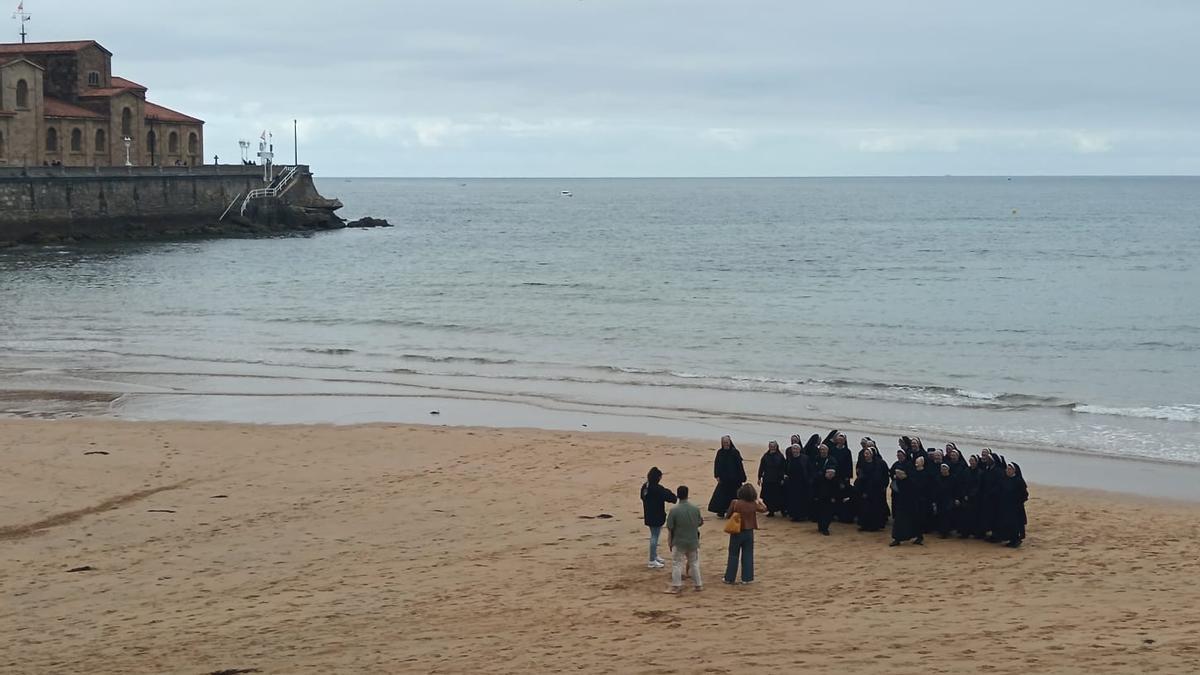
(913, 141)
(1091, 143)
(734, 139)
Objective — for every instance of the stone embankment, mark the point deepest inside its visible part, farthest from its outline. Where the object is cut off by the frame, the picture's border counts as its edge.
(53, 205)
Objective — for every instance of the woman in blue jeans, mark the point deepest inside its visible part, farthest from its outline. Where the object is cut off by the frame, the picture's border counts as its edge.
(742, 544)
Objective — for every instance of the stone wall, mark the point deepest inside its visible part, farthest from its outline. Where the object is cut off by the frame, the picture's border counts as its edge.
(41, 204)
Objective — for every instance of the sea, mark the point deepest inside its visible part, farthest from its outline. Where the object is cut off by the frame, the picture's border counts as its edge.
(1058, 312)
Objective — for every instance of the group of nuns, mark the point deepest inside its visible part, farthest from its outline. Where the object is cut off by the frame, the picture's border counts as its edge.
(932, 491)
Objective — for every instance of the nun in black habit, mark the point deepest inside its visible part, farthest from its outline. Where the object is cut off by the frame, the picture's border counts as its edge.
(771, 470)
(798, 484)
(968, 495)
(904, 507)
(839, 450)
(871, 487)
(943, 500)
(1010, 516)
(730, 472)
(827, 490)
(923, 483)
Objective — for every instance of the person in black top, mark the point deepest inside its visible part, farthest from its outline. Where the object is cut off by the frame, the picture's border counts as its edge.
(730, 471)
(654, 511)
(771, 470)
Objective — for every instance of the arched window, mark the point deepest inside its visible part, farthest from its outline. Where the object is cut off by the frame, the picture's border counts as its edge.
(173, 143)
(193, 143)
(93, 79)
(152, 144)
(127, 122)
(76, 140)
(52, 140)
(22, 94)
(101, 141)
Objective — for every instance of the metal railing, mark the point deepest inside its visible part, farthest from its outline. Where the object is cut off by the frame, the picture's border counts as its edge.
(281, 185)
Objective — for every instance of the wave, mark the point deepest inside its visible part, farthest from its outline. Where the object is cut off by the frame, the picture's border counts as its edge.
(663, 377)
(332, 351)
(1171, 413)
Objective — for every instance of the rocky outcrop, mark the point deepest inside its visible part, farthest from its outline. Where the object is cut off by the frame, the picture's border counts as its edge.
(369, 222)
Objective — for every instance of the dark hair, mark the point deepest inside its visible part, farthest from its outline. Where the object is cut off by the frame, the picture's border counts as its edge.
(654, 476)
(747, 493)
(682, 492)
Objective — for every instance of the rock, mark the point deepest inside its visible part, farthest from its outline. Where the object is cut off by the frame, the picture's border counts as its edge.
(369, 222)
(85, 568)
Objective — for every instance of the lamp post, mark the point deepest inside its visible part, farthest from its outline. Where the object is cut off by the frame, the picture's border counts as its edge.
(128, 143)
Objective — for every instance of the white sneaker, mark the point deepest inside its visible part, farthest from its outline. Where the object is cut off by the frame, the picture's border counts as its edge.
(660, 561)
(655, 565)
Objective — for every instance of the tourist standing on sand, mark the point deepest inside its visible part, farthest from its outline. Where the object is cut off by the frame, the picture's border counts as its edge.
(730, 472)
(741, 544)
(654, 512)
(683, 537)
(771, 470)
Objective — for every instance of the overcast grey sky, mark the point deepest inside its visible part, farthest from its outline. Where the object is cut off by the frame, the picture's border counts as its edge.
(670, 87)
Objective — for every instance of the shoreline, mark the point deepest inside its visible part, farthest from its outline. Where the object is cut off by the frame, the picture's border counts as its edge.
(1044, 465)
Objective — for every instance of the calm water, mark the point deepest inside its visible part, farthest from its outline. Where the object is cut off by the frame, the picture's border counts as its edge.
(1057, 311)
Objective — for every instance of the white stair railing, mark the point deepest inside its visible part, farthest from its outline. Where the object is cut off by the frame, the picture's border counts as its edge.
(281, 185)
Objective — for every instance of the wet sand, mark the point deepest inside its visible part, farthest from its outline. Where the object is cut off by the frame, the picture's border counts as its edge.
(388, 548)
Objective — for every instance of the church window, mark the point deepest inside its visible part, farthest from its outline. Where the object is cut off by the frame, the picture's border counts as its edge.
(22, 94)
(173, 143)
(52, 140)
(93, 79)
(76, 140)
(193, 143)
(101, 141)
(127, 122)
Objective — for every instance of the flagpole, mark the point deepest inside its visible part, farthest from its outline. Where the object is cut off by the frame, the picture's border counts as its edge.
(22, 16)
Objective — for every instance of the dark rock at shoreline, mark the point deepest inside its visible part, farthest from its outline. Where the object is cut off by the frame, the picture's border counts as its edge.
(369, 222)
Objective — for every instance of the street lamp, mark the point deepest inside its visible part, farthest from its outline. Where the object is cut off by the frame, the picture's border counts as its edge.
(128, 142)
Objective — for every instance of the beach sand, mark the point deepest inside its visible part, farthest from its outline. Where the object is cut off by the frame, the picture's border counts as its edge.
(394, 548)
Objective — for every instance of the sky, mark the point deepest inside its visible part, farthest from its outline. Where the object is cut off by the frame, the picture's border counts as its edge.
(669, 87)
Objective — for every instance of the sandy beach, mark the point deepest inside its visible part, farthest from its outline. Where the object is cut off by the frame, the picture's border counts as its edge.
(389, 548)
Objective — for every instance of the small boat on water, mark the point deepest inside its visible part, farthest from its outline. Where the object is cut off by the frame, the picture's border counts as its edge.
(566, 193)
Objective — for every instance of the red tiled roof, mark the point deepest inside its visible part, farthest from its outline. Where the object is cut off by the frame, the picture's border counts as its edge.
(107, 92)
(122, 83)
(49, 47)
(57, 108)
(160, 114)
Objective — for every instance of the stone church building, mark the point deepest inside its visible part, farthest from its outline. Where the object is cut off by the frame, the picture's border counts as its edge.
(61, 104)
